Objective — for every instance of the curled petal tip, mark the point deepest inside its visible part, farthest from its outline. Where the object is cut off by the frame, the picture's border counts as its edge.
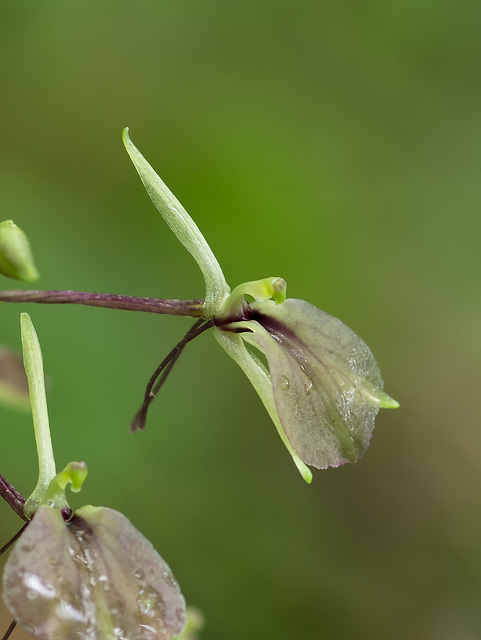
(389, 403)
(378, 397)
(305, 472)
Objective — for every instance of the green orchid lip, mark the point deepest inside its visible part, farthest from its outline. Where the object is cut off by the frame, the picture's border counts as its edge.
(322, 386)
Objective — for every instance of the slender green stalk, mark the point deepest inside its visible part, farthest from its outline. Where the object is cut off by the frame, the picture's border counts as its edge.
(32, 358)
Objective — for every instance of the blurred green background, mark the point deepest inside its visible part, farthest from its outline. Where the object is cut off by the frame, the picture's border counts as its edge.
(337, 145)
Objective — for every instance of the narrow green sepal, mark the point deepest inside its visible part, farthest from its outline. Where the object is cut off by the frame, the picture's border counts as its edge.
(261, 381)
(183, 226)
(16, 259)
(33, 362)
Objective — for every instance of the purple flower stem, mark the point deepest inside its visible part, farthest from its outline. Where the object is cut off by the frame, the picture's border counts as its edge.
(189, 308)
(12, 497)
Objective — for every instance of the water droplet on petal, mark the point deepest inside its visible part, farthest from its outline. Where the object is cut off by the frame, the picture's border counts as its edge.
(284, 383)
(85, 591)
(147, 602)
(36, 587)
(308, 385)
(66, 611)
(148, 628)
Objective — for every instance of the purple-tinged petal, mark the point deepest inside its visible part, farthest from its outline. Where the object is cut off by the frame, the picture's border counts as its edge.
(93, 577)
(327, 385)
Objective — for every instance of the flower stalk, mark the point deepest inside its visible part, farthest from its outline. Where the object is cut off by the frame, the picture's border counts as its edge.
(12, 497)
(188, 308)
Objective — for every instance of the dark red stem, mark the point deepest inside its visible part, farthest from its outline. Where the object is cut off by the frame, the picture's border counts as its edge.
(12, 497)
(189, 308)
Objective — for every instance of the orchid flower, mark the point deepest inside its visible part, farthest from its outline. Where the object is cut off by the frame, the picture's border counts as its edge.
(321, 387)
(89, 574)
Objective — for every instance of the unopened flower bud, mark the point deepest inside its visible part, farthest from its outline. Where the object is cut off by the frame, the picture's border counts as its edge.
(16, 260)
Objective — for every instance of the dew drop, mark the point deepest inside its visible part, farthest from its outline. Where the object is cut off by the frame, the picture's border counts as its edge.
(66, 611)
(149, 629)
(90, 557)
(147, 602)
(85, 591)
(307, 385)
(103, 579)
(35, 587)
(284, 383)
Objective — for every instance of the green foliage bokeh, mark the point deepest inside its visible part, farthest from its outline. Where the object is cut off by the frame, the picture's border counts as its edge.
(334, 144)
